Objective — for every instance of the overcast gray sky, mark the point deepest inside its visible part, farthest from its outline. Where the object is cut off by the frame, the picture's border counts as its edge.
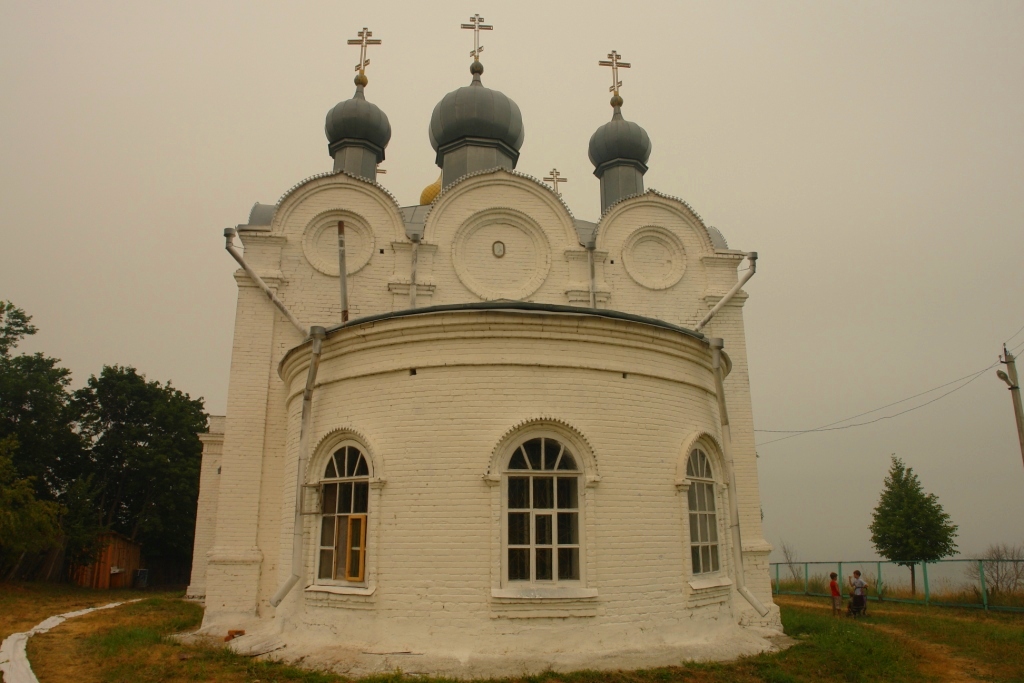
(871, 152)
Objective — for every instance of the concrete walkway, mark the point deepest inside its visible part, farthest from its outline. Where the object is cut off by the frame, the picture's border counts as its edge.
(13, 658)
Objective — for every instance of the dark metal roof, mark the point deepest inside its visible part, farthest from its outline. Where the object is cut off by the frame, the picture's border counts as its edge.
(619, 139)
(357, 119)
(524, 306)
(474, 111)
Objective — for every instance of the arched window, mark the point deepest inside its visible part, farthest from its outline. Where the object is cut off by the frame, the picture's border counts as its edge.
(703, 519)
(542, 530)
(344, 499)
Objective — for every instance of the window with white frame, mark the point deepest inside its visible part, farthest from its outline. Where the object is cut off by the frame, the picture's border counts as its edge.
(344, 503)
(703, 518)
(542, 513)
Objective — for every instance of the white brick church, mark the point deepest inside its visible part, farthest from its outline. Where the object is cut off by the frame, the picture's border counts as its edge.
(516, 452)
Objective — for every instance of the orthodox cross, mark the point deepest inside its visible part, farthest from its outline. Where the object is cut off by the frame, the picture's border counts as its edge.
(555, 179)
(615, 64)
(363, 41)
(476, 22)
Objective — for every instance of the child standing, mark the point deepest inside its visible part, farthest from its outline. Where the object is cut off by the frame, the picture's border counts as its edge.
(837, 598)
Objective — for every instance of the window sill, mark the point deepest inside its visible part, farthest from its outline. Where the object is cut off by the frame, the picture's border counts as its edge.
(544, 602)
(341, 590)
(710, 583)
(539, 593)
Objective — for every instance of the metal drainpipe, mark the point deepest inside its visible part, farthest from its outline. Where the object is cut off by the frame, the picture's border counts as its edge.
(412, 272)
(306, 425)
(734, 505)
(752, 258)
(342, 271)
(593, 278)
(229, 235)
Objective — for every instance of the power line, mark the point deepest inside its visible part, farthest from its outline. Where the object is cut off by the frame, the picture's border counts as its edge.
(828, 428)
(1014, 335)
(831, 426)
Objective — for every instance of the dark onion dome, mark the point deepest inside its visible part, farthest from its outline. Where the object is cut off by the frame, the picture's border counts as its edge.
(358, 122)
(619, 139)
(474, 111)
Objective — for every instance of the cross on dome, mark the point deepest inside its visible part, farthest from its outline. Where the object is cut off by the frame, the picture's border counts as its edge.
(615, 64)
(476, 23)
(555, 179)
(363, 41)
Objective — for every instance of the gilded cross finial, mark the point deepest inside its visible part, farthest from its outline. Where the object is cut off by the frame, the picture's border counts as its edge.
(614, 62)
(555, 179)
(476, 22)
(363, 41)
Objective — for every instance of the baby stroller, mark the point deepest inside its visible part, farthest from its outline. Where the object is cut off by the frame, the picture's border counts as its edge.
(858, 606)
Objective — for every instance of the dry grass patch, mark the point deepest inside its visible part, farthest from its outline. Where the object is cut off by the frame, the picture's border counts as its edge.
(23, 605)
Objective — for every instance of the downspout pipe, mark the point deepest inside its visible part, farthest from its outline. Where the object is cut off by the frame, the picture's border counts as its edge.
(591, 245)
(412, 270)
(752, 258)
(229, 236)
(318, 334)
(734, 505)
(342, 271)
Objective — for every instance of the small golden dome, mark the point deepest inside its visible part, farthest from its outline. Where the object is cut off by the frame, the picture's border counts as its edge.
(430, 191)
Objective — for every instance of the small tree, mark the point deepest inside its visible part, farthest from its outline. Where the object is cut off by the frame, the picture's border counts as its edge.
(908, 525)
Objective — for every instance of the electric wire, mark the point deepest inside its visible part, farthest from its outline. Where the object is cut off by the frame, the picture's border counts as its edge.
(1014, 335)
(830, 427)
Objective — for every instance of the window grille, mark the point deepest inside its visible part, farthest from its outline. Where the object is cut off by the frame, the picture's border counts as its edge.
(542, 530)
(344, 503)
(703, 517)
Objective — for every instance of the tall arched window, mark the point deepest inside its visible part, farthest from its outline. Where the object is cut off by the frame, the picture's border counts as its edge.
(542, 530)
(344, 502)
(703, 518)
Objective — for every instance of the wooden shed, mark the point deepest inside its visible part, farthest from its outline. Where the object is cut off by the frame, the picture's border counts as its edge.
(115, 564)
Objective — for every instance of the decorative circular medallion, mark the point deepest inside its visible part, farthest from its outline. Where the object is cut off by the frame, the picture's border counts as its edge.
(320, 242)
(520, 245)
(654, 257)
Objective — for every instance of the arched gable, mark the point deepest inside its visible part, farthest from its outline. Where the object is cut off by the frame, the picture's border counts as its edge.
(317, 189)
(505, 180)
(672, 205)
(559, 429)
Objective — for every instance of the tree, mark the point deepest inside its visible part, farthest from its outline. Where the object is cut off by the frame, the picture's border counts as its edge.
(35, 409)
(27, 525)
(145, 454)
(1004, 568)
(908, 525)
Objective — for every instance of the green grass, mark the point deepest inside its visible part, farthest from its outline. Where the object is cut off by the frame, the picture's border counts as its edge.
(130, 644)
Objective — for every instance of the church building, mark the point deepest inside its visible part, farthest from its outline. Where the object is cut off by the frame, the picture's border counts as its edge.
(480, 436)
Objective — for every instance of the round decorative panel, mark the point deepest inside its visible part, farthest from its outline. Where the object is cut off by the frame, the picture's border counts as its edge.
(320, 242)
(501, 254)
(654, 257)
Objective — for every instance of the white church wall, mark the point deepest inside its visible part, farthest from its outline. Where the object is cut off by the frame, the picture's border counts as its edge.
(206, 506)
(437, 556)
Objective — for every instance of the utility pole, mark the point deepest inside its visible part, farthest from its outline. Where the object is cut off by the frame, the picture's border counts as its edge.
(1010, 377)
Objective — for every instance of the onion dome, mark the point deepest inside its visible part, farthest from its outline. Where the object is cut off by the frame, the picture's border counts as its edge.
(431, 191)
(483, 116)
(619, 139)
(359, 123)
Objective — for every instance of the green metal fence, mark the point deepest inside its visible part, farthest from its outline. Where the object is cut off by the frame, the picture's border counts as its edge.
(985, 584)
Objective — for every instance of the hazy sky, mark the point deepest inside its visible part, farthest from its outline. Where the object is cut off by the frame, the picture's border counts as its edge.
(871, 152)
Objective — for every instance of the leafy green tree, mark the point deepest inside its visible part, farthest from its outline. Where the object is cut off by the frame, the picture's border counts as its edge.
(145, 455)
(908, 525)
(27, 525)
(35, 409)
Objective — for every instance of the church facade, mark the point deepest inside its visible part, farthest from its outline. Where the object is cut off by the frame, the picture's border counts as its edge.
(516, 452)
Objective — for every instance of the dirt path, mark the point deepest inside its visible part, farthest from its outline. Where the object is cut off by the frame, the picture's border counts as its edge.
(935, 660)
